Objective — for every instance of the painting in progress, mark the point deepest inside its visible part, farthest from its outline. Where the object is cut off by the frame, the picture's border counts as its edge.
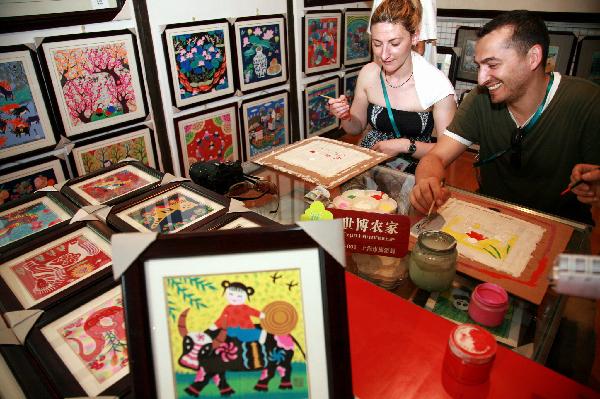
(499, 241)
(241, 333)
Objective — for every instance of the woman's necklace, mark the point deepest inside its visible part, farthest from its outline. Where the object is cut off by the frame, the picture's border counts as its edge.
(400, 85)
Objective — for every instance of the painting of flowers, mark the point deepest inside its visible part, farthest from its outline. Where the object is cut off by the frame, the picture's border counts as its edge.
(266, 125)
(357, 43)
(95, 81)
(200, 66)
(322, 33)
(318, 120)
(24, 180)
(261, 52)
(24, 122)
(208, 136)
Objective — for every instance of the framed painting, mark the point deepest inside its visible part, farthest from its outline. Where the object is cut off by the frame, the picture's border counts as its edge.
(113, 184)
(241, 220)
(317, 119)
(322, 36)
(90, 155)
(465, 39)
(81, 346)
(32, 216)
(210, 135)
(199, 59)
(51, 268)
(25, 126)
(316, 3)
(168, 209)
(587, 62)
(261, 51)
(561, 52)
(295, 318)
(24, 179)
(95, 80)
(446, 62)
(357, 41)
(349, 84)
(265, 122)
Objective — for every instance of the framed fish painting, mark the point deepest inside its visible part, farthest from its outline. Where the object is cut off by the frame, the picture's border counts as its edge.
(95, 80)
(90, 155)
(32, 216)
(81, 346)
(265, 124)
(113, 184)
(263, 311)
(210, 135)
(349, 84)
(317, 119)
(199, 62)
(25, 126)
(261, 51)
(24, 179)
(51, 268)
(168, 209)
(322, 37)
(357, 41)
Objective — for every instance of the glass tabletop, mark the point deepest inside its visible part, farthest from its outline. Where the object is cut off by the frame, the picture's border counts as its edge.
(530, 328)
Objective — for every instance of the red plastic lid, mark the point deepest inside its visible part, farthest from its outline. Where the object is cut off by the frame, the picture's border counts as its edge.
(472, 343)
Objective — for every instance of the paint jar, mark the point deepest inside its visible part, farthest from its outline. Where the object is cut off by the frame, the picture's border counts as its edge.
(488, 305)
(470, 354)
(432, 264)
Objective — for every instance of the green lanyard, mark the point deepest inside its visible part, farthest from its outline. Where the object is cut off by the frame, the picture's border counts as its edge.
(526, 129)
(388, 106)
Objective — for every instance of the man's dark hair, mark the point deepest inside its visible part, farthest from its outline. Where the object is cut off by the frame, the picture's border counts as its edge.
(528, 30)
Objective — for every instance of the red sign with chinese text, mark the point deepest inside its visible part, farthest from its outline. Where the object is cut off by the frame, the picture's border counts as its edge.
(375, 233)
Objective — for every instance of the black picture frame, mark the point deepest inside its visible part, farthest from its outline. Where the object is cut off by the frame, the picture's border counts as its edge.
(109, 184)
(171, 251)
(349, 62)
(561, 52)
(315, 70)
(587, 59)
(118, 217)
(321, 102)
(465, 39)
(229, 221)
(348, 89)
(447, 62)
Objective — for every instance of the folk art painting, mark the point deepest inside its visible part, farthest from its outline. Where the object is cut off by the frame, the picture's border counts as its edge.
(357, 43)
(92, 342)
(200, 62)
(317, 118)
(29, 218)
(261, 52)
(25, 180)
(137, 144)
(24, 122)
(350, 79)
(95, 81)
(244, 332)
(265, 124)
(56, 266)
(211, 136)
(322, 42)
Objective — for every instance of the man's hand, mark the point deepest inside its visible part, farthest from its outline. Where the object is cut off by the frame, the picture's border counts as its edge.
(426, 191)
(589, 191)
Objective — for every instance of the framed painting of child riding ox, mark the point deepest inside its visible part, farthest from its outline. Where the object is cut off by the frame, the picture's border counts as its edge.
(261, 311)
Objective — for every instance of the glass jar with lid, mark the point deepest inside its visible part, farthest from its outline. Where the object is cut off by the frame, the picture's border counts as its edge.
(432, 264)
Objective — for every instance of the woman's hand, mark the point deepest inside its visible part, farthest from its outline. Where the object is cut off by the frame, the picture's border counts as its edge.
(392, 147)
(339, 107)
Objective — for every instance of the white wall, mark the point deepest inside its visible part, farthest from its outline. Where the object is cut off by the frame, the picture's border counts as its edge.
(533, 5)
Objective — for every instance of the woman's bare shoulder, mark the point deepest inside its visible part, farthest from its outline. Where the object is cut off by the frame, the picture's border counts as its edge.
(370, 69)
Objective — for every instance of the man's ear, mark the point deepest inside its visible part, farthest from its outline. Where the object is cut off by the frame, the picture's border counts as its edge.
(535, 56)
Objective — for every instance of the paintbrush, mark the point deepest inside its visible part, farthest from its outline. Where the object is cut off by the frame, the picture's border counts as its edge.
(327, 97)
(346, 116)
(433, 202)
(577, 183)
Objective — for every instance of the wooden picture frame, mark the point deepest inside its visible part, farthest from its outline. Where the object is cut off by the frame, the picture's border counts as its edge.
(81, 346)
(25, 124)
(272, 259)
(24, 179)
(238, 220)
(49, 269)
(561, 52)
(212, 134)
(587, 62)
(261, 48)
(349, 83)
(447, 62)
(321, 41)
(33, 216)
(317, 118)
(199, 61)
(110, 96)
(174, 207)
(265, 123)
(466, 37)
(95, 153)
(111, 185)
(357, 40)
